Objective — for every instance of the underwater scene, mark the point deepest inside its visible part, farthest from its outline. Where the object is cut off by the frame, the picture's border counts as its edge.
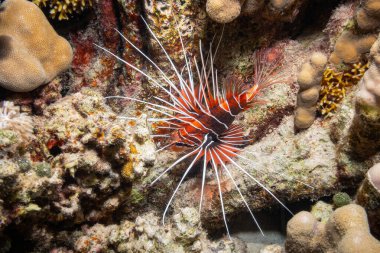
(210, 126)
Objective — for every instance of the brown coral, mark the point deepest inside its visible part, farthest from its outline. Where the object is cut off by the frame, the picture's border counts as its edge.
(368, 16)
(223, 11)
(365, 129)
(309, 81)
(350, 47)
(32, 53)
(345, 232)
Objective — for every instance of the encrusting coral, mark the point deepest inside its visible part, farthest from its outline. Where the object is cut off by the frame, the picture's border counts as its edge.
(63, 9)
(368, 196)
(335, 85)
(309, 80)
(346, 231)
(31, 52)
(365, 129)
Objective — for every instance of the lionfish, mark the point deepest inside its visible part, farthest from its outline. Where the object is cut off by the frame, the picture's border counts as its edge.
(200, 114)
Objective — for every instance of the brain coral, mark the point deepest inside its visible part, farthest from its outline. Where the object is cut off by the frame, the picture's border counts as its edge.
(31, 52)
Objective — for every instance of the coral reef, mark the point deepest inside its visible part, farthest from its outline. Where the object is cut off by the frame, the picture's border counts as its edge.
(309, 80)
(63, 10)
(189, 20)
(67, 175)
(147, 234)
(273, 161)
(346, 231)
(86, 153)
(365, 138)
(368, 196)
(335, 85)
(80, 181)
(32, 53)
(99, 71)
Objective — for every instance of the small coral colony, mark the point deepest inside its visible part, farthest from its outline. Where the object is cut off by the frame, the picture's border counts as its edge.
(81, 143)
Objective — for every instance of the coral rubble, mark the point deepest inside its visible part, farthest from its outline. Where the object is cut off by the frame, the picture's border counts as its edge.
(32, 53)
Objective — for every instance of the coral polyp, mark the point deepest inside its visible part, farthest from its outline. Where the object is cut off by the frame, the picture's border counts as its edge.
(63, 9)
(200, 114)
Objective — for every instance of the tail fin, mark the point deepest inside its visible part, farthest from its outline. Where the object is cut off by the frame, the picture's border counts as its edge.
(268, 64)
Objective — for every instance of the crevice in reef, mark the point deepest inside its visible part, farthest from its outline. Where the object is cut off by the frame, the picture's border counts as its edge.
(313, 18)
(111, 89)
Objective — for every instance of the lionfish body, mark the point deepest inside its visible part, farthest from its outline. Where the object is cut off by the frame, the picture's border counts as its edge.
(200, 116)
(213, 122)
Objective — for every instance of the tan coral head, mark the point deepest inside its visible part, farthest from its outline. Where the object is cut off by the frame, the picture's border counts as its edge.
(31, 52)
(223, 11)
